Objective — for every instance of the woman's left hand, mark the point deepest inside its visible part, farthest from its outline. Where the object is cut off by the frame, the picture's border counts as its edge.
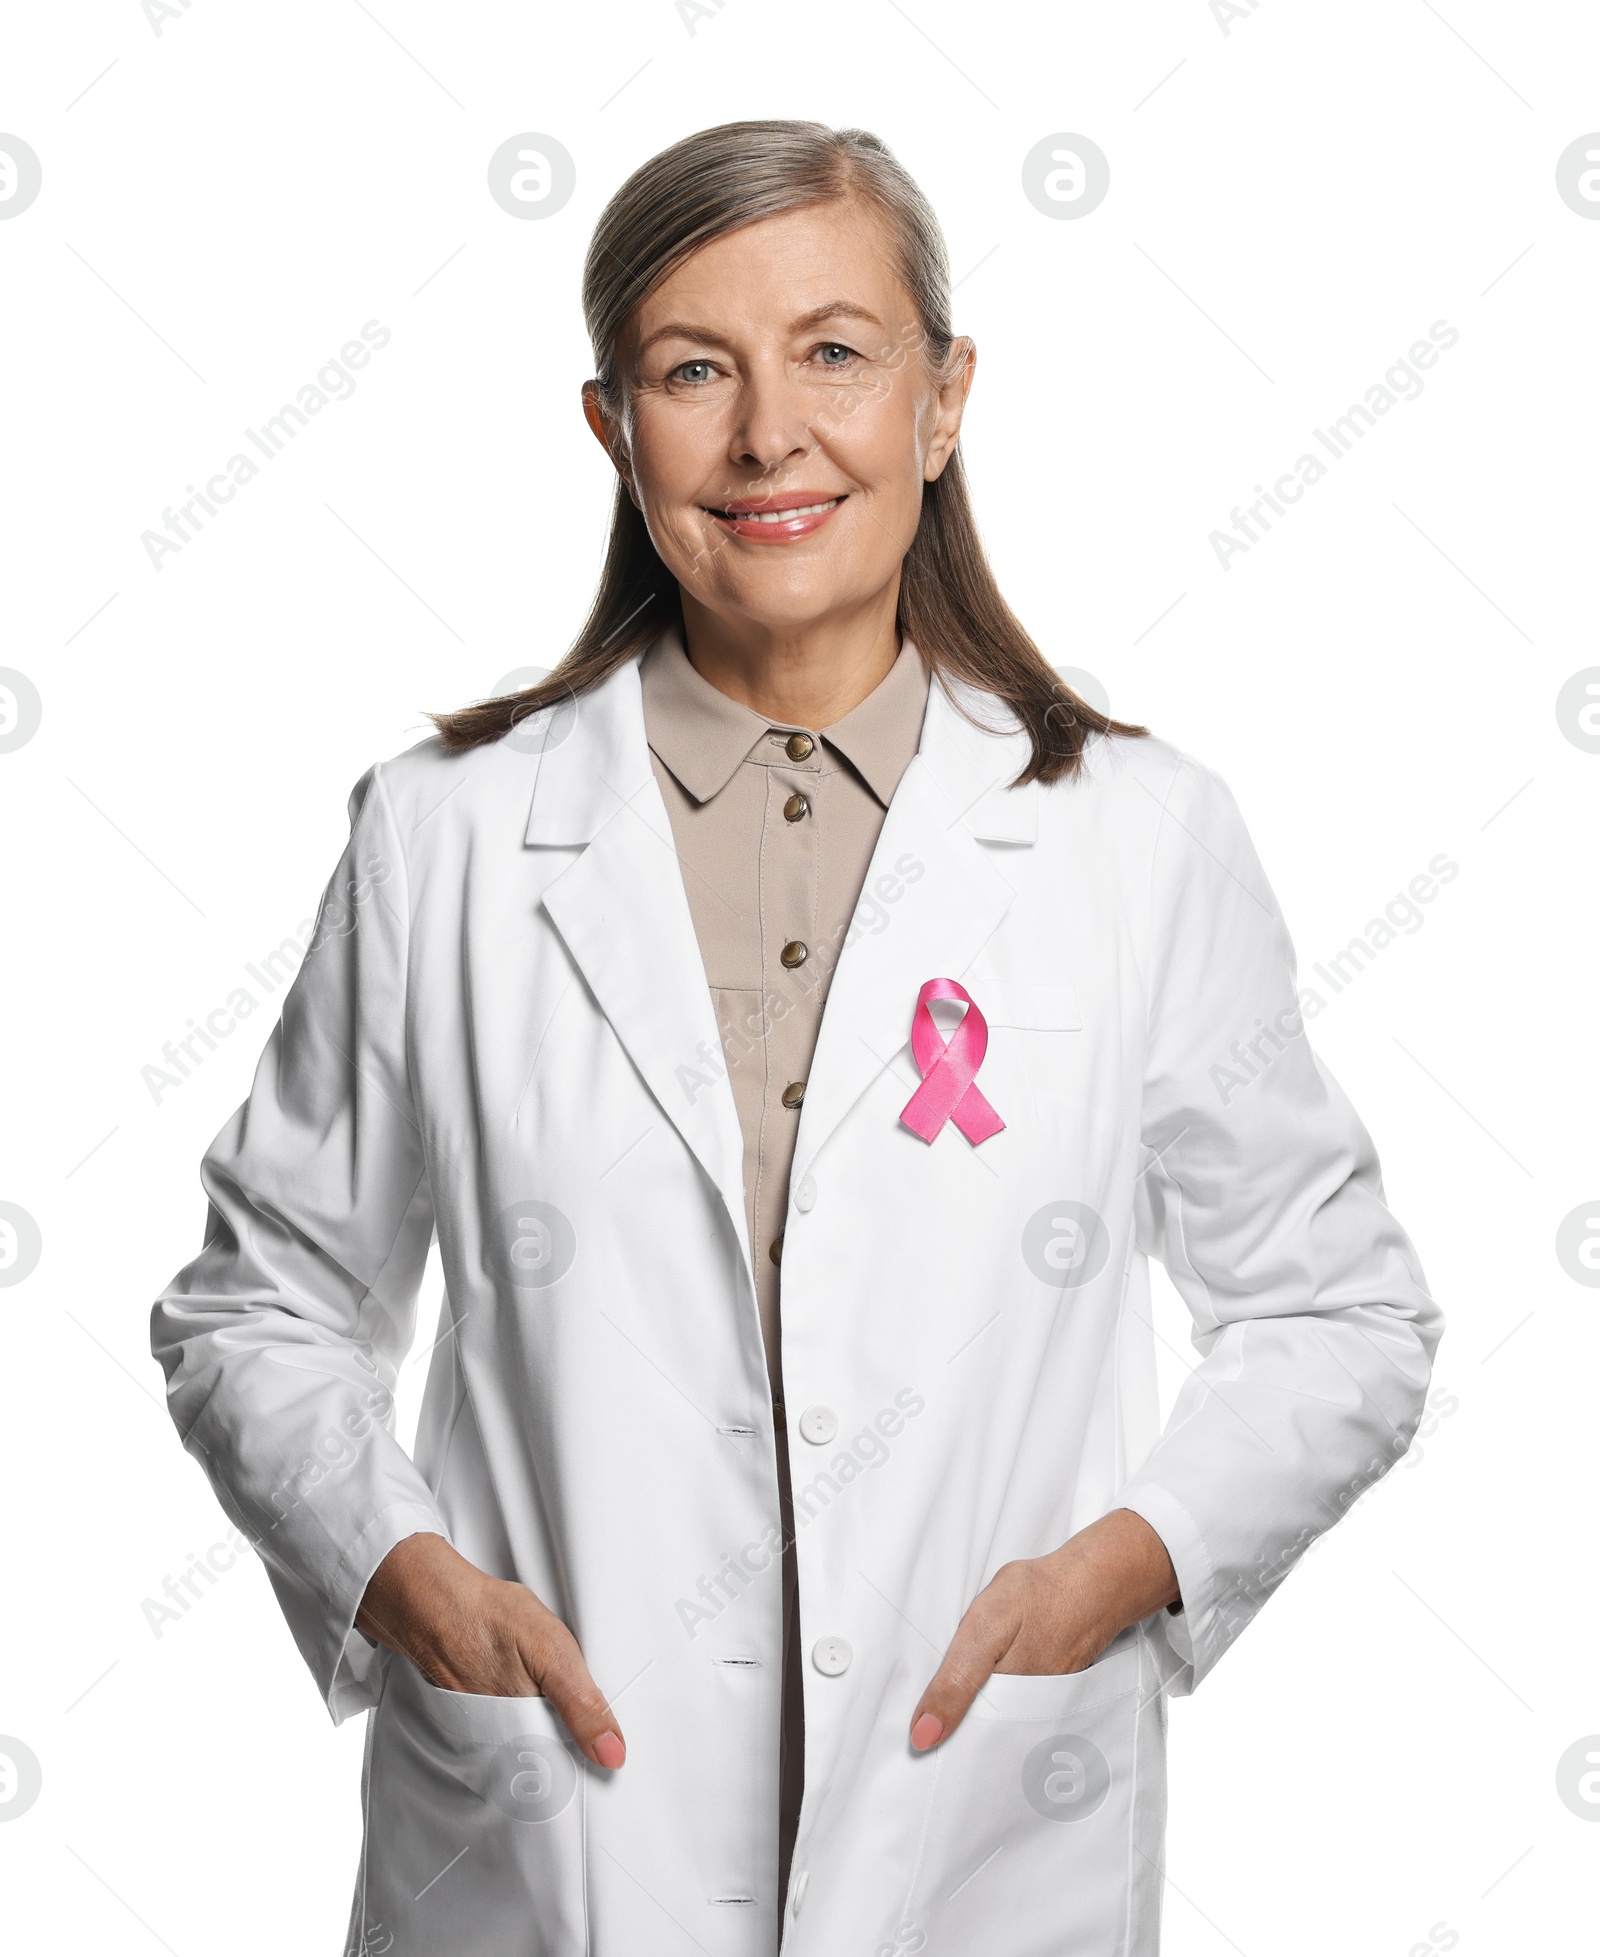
(1053, 1613)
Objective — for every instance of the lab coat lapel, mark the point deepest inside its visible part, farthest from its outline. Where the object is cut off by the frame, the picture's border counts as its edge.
(952, 798)
(623, 913)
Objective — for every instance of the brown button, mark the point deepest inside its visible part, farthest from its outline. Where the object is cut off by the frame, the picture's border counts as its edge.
(779, 1415)
(795, 807)
(798, 746)
(775, 1250)
(794, 953)
(794, 1094)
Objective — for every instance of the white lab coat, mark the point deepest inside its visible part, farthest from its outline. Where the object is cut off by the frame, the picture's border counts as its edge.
(502, 1033)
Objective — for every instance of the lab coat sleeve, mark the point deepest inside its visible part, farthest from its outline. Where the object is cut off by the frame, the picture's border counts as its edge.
(1259, 1190)
(282, 1340)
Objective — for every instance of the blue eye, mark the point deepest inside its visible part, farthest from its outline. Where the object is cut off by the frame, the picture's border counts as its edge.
(830, 348)
(695, 372)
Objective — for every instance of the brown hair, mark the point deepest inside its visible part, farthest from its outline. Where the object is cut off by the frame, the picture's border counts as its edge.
(949, 604)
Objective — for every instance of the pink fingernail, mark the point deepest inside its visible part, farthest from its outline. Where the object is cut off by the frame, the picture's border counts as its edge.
(608, 1750)
(927, 1732)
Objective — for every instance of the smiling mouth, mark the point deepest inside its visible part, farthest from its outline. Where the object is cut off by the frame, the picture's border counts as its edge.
(789, 518)
(736, 513)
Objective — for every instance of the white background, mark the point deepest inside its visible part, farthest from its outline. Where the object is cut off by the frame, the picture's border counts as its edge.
(1293, 202)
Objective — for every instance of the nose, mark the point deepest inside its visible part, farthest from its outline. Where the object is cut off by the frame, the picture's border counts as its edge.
(771, 430)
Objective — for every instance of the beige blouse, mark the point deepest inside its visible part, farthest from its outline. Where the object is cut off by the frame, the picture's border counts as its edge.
(775, 826)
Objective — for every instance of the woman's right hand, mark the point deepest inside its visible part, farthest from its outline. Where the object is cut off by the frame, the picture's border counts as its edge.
(469, 1632)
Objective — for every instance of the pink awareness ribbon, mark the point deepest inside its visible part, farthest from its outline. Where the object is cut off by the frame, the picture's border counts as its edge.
(949, 1090)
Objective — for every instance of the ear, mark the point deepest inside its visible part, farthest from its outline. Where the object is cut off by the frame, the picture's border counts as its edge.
(610, 437)
(951, 401)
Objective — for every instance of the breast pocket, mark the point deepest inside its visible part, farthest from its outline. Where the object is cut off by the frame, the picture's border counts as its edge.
(1043, 1008)
(1037, 1055)
(1046, 1816)
(474, 1836)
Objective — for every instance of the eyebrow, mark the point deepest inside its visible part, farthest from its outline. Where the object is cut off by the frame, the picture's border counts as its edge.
(688, 330)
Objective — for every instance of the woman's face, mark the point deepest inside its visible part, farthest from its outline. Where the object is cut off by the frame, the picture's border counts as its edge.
(782, 418)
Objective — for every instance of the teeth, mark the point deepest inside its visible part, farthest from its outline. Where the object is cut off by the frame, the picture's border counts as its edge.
(784, 516)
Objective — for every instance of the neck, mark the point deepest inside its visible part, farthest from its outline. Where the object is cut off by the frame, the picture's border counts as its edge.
(805, 675)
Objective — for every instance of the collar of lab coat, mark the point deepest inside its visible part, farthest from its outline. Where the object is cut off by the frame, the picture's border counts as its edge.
(934, 896)
(594, 761)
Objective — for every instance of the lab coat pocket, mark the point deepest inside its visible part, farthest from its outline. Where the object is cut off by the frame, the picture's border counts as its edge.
(475, 1813)
(1030, 1008)
(1045, 1818)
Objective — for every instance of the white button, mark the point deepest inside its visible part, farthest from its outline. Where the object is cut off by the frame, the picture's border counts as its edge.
(831, 1656)
(818, 1425)
(797, 1890)
(805, 1195)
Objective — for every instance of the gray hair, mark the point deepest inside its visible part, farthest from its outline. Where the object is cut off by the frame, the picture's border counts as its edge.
(722, 179)
(950, 607)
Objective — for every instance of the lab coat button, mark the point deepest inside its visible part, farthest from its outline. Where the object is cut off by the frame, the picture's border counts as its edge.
(775, 1248)
(795, 808)
(831, 1656)
(798, 746)
(794, 1094)
(819, 1425)
(794, 953)
(805, 1194)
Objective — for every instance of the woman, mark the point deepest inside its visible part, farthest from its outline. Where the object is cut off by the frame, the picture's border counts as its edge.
(717, 1609)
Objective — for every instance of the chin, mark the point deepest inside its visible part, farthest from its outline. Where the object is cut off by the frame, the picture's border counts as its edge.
(791, 610)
